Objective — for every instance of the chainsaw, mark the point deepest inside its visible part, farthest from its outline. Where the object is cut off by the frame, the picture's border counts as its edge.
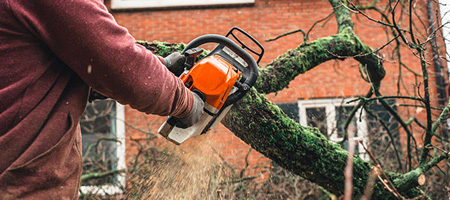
(221, 78)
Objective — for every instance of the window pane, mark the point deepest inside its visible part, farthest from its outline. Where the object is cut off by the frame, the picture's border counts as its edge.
(342, 113)
(98, 140)
(380, 141)
(338, 112)
(316, 117)
(291, 110)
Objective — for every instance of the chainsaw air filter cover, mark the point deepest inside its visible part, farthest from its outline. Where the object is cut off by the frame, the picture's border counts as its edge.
(214, 78)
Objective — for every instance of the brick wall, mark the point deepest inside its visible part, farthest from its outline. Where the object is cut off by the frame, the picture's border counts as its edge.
(268, 19)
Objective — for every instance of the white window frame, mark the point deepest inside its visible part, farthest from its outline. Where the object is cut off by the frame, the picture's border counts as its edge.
(330, 105)
(120, 156)
(444, 8)
(445, 18)
(133, 4)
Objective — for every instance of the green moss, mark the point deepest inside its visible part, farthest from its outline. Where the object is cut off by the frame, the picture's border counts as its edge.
(164, 49)
(302, 150)
(278, 74)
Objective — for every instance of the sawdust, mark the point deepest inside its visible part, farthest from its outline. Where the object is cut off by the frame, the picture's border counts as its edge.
(189, 171)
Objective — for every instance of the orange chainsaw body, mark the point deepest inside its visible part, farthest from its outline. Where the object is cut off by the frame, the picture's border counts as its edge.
(214, 78)
(221, 78)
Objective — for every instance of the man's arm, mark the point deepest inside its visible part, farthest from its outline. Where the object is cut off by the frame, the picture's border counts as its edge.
(86, 37)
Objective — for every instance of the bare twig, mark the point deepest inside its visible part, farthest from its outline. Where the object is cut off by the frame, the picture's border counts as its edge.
(317, 22)
(241, 174)
(382, 175)
(402, 123)
(223, 160)
(386, 97)
(391, 137)
(348, 172)
(428, 133)
(289, 33)
(370, 184)
(94, 145)
(352, 113)
(357, 10)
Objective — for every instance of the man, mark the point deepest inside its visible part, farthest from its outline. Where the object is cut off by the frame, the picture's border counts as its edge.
(51, 51)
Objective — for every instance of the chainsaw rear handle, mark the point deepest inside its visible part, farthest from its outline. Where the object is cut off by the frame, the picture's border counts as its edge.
(249, 77)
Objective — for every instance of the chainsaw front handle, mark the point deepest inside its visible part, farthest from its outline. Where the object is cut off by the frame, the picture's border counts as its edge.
(249, 77)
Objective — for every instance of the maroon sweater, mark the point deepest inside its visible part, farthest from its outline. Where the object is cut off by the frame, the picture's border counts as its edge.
(51, 51)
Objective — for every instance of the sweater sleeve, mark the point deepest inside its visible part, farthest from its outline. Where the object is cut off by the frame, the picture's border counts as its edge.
(85, 36)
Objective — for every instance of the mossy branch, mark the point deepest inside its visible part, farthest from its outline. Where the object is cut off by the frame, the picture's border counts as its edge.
(96, 175)
(94, 145)
(442, 116)
(301, 150)
(343, 18)
(411, 179)
(304, 150)
(278, 74)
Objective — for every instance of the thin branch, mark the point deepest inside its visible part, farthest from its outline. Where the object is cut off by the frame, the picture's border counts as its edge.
(410, 179)
(289, 33)
(386, 97)
(357, 10)
(317, 22)
(241, 174)
(352, 113)
(402, 123)
(375, 53)
(385, 179)
(370, 184)
(94, 145)
(397, 28)
(419, 106)
(411, 33)
(89, 176)
(348, 172)
(409, 69)
(429, 133)
(438, 122)
(391, 137)
(223, 160)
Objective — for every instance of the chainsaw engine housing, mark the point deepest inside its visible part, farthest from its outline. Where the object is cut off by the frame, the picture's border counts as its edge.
(222, 77)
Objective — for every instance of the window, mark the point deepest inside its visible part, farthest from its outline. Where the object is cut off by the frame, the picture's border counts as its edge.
(103, 138)
(380, 143)
(129, 4)
(329, 115)
(291, 110)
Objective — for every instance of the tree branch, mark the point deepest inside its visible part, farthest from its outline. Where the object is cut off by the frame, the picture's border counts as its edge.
(411, 179)
(278, 74)
(86, 177)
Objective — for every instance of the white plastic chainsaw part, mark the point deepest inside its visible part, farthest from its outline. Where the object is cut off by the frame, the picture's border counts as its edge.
(221, 116)
(180, 135)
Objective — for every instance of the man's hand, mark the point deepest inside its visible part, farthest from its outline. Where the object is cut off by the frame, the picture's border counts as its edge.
(175, 63)
(194, 115)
